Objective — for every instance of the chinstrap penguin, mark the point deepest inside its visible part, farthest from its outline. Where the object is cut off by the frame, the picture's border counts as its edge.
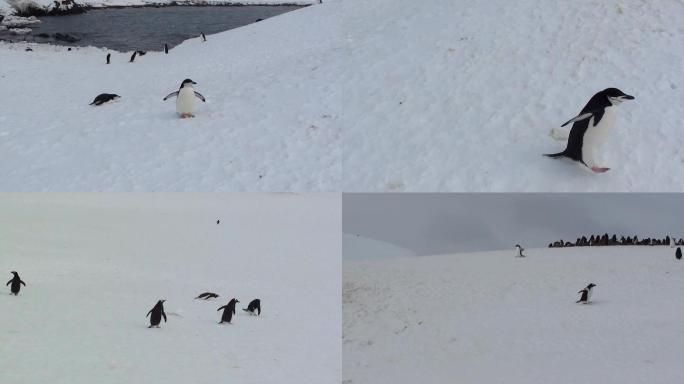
(16, 284)
(254, 306)
(185, 102)
(104, 98)
(157, 312)
(591, 127)
(586, 294)
(229, 311)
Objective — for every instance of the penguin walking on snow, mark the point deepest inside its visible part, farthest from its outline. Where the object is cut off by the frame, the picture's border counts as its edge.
(166, 49)
(591, 127)
(229, 311)
(204, 38)
(185, 99)
(678, 253)
(586, 294)
(519, 251)
(254, 306)
(157, 312)
(16, 284)
(133, 56)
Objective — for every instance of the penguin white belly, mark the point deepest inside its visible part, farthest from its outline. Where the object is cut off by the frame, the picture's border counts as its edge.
(185, 103)
(595, 136)
(589, 295)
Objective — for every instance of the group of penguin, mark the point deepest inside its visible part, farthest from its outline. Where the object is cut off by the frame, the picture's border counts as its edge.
(157, 312)
(185, 95)
(586, 292)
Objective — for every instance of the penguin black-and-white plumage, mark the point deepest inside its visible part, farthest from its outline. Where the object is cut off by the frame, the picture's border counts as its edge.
(157, 313)
(109, 56)
(185, 102)
(16, 283)
(207, 296)
(254, 307)
(678, 253)
(104, 98)
(166, 49)
(133, 57)
(519, 251)
(228, 311)
(586, 294)
(591, 127)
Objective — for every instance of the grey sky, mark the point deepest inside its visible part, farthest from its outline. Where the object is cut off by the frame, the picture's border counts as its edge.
(450, 223)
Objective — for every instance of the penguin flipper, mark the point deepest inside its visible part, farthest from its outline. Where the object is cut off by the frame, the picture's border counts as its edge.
(172, 94)
(555, 155)
(24, 284)
(221, 308)
(148, 313)
(199, 96)
(8, 283)
(578, 118)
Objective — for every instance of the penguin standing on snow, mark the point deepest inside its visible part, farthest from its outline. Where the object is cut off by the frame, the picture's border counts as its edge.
(678, 253)
(591, 127)
(166, 49)
(133, 56)
(586, 294)
(185, 101)
(157, 312)
(204, 38)
(109, 56)
(519, 251)
(228, 312)
(254, 306)
(16, 284)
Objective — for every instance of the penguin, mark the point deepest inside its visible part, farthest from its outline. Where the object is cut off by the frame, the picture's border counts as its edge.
(254, 306)
(109, 56)
(519, 251)
(204, 38)
(218, 222)
(16, 284)
(166, 49)
(591, 127)
(678, 253)
(228, 312)
(207, 296)
(185, 102)
(586, 294)
(157, 312)
(133, 57)
(104, 98)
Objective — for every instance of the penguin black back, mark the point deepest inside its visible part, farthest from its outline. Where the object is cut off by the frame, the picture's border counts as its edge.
(157, 313)
(109, 55)
(15, 283)
(133, 56)
(254, 306)
(678, 253)
(166, 49)
(207, 296)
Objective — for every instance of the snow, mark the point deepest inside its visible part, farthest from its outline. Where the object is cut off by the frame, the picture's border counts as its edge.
(357, 247)
(95, 264)
(494, 318)
(462, 96)
(269, 123)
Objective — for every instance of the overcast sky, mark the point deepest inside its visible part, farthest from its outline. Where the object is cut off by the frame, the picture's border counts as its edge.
(451, 223)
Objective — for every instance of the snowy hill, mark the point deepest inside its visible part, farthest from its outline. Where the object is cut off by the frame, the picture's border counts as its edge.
(461, 96)
(94, 265)
(356, 247)
(493, 318)
(269, 123)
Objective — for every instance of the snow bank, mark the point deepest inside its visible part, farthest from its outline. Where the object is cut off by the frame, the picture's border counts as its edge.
(269, 123)
(494, 318)
(357, 247)
(461, 96)
(94, 265)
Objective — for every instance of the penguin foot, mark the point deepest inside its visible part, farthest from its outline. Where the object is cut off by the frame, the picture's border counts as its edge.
(186, 115)
(600, 169)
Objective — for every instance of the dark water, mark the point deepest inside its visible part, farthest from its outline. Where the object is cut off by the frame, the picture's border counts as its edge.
(144, 28)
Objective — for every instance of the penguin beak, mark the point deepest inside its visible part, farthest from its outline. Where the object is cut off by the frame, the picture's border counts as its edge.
(628, 97)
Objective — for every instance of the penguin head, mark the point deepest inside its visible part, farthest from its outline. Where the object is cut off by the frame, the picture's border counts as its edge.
(616, 96)
(161, 301)
(14, 273)
(187, 83)
(590, 286)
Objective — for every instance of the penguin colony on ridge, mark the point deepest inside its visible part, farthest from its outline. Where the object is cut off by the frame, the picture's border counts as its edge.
(590, 128)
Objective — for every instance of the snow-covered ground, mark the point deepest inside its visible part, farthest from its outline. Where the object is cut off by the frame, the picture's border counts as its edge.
(451, 95)
(269, 123)
(357, 247)
(493, 318)
(94, 265)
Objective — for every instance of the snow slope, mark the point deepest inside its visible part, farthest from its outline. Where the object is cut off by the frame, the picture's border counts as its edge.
(94, 265)
(269, 123)
(493, 318)
(461, 96)
(357, 247)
